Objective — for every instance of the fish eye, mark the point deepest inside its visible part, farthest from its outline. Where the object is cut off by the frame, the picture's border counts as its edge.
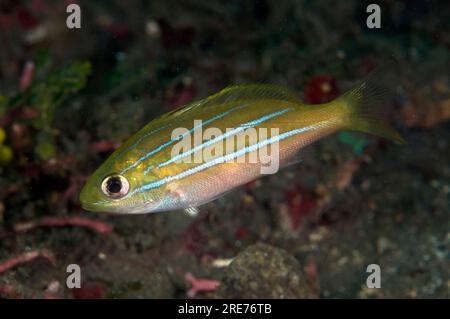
(115, 186)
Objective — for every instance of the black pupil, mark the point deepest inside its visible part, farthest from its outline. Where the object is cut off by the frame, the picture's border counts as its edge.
(114, 185)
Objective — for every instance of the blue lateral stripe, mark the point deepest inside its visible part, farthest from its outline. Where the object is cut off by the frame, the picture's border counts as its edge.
(225, 135)
(178, 138)
(224, 158)
(140, 139)
(148, 169)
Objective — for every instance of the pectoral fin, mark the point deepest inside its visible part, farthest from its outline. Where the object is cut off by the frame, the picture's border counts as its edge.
(191, 211)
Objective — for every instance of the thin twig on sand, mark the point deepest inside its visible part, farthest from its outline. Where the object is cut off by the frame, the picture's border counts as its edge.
(98, 226)
(25, 258)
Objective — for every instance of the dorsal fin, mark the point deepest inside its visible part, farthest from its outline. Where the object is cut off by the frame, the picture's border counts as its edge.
(240, 92)
(245, 92)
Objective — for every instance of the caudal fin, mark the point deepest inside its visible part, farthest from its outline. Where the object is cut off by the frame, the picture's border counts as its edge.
(364, 104)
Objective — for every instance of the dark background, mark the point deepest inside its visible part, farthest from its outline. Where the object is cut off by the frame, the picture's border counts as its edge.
(69, 97)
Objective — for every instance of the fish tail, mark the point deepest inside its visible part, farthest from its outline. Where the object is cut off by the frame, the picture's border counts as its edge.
(363, 106)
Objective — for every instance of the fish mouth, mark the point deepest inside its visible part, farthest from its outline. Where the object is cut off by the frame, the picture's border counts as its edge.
(91, 207)
(97, 208)
(102, 207)
(90, 200)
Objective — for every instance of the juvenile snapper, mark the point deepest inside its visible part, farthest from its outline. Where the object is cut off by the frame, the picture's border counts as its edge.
(144, 175)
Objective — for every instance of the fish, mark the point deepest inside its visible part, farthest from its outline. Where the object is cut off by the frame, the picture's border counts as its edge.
(146, 175)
